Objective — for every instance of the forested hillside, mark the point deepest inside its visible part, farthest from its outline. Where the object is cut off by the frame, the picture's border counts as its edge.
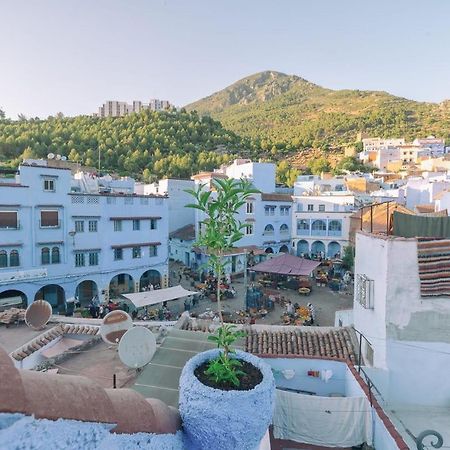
(288, 110)
(146, 145)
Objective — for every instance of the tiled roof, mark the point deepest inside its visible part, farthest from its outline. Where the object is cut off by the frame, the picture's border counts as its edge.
(334, 343)
(186, 233)
(44, 338)
(276, 197)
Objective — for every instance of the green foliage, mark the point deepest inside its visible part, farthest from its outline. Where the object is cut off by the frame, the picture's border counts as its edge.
(317, 166)
(286, 174)
(351, 164)
(348, 259)
(167, 144)
(290, 112)
(224, 368)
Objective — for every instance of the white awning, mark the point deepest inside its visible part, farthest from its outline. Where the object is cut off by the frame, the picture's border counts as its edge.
(148, 298)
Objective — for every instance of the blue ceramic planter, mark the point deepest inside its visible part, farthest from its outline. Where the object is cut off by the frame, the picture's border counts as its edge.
(225, 420)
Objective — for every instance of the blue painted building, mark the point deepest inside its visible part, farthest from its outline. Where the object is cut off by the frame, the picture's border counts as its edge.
(65, 236)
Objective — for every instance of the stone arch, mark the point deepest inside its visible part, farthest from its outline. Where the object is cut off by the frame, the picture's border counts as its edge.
(122, 283)
(54, 294)
(86, 291)
(302, 247)
(151, 276)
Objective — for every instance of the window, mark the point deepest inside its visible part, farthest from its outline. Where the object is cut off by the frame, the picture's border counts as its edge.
(299, 207)
(249, 208)
(93, 258)
(118, 254)
(303, 227)
(117, 225)
(249, 229)
(268, 230)
(49, 219)
(3, 258)
(93, 226)
(111, 200)
(269, 210)
(321, 208)
(49, 185)
(310, 207)
(45, 255)
(14, 258)
(136, 224)
(335, 228)
(136, 252)
(55, 255)
(153, 250)
(284, 210)
(319, 227)
(336, 208)
(364, 291)
(8, 220)
(79, 226)
(128, 200)
(153, 223)
(284, 229)
(79, 260)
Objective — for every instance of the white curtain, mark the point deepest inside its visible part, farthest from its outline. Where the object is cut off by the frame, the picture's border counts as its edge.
(327, 421)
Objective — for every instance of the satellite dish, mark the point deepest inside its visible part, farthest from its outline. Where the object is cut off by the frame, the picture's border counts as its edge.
(58, 157)
(114, 326)
(137, 347)
(63, 158)
(38, 314)
(50, 156)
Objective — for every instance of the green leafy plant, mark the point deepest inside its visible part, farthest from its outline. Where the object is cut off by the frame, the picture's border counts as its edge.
(225, 368)
(220, 229)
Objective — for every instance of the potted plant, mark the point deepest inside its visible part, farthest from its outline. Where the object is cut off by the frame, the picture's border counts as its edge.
(226, 396)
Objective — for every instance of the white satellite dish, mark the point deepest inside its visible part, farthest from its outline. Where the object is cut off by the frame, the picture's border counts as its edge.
(58, 157)
(38, 314)
(63, 158)
(50, 156)
(114, 326)
(137, 347)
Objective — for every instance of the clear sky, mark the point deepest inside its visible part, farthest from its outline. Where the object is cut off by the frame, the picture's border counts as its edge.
(72, 55)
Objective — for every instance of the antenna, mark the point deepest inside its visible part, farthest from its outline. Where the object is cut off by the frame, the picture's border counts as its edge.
(114, 326)
(38, 314)
(137, 347)
(50, 156)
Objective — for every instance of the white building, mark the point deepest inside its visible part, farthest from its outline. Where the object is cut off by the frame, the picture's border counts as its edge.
(64, 237)
(175, 189)
(436, 145)
(375, 144)
(267, 213)
(321, 223)
(406, 343)
(114, 108)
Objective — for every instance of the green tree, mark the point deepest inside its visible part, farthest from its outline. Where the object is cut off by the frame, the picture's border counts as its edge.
(318, 166)
(348, 258)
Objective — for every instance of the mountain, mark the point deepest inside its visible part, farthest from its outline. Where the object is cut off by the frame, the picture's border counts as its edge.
(285, 109)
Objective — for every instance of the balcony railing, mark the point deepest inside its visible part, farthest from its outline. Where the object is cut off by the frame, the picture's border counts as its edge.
(302, 232)
(334, 232)
(318, 232)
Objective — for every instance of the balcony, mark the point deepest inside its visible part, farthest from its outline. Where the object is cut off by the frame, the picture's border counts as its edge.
(334, 232)
(318, 232)
(303, 232)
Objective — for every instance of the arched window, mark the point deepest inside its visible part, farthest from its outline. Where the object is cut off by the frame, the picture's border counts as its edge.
(303, 224)
(268, 229)
(45, 255)
(284, 229)
(55, 255)
(319, 227)
(334, 228)
(3, 258)
(14, 258)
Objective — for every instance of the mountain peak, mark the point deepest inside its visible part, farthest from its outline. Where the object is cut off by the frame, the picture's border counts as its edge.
(259, 87)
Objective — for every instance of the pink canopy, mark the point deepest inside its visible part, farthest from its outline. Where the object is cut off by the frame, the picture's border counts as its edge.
(287, 265)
